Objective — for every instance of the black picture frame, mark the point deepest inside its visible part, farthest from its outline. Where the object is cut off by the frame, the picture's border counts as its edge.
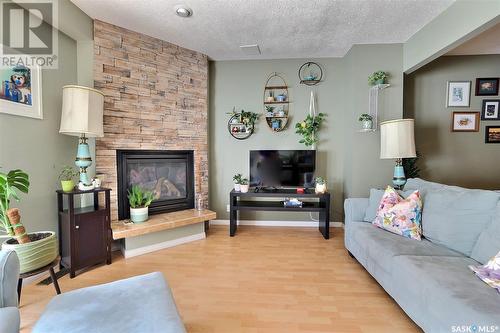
(485, 109)
(487, 137)
(487, 92)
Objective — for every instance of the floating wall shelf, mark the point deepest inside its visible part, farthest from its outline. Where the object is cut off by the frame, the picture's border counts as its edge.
(276, 110)
(373, 105)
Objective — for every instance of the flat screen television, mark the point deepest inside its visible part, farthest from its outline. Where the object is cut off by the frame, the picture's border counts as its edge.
(282, 168)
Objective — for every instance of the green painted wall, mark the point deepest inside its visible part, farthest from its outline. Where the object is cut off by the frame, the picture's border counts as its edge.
(453, 158)
(463, 20)
(348, 159)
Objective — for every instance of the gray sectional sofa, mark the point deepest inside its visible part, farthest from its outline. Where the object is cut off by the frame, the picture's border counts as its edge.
(430, 279)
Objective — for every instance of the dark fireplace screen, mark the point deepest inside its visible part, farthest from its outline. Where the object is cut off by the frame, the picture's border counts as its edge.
(168, 174)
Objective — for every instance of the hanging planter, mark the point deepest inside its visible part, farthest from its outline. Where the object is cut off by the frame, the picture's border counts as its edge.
(309, 127)
(241, 125)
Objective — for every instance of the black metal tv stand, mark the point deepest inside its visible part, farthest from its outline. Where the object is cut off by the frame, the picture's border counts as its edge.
(239, 202)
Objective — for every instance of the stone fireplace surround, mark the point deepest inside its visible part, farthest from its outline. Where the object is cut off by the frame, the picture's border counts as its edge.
(155, 99)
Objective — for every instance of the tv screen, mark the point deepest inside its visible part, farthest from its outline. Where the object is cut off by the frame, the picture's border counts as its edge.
(282, 168)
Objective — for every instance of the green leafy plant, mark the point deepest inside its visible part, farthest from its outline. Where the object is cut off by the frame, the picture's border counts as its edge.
(246, 117)
(308, 128)
(320, 181)
(365, 117)
(270, 108)
(244, 181)
(377, 76)
(9, 183)
(237, 178)
(138, 198)
(67, 173)
(410, 166)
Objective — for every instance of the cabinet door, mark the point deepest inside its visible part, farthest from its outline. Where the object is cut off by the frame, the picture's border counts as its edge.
(91, 233)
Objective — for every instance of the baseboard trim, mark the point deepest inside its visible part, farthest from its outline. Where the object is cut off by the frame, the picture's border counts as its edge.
(160, 246)
(265, 223)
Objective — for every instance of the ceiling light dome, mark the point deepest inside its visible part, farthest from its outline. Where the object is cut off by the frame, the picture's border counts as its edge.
(183, 11)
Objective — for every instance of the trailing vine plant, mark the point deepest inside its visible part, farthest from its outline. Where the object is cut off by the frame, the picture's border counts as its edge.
(309, 127)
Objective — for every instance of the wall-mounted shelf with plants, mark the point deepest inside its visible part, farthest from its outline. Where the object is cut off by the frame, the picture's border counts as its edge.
(369, 120)
(241, 125)
(276, 102)
(310, 73)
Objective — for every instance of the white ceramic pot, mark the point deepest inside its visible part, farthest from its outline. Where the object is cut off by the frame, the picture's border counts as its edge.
(237, 187)
(244, 188)
(139, 215)
(367, 124)
(320, 188)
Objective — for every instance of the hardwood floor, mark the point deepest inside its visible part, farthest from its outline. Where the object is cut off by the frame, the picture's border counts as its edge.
(266, 279)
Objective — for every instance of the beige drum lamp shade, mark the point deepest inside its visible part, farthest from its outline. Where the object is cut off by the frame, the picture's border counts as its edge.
(397, 139)
(82, 111)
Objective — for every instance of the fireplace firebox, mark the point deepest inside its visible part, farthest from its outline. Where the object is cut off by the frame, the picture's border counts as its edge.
(169, 174)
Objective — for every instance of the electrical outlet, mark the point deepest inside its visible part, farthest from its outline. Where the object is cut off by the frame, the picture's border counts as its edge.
(227, 208)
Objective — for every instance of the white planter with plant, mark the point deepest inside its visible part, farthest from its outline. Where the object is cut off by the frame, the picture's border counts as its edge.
(237, 181)
(379, 77)
(139, 201)
(66, 176)
(366, 121)
(320, 185)
(34, 250)
(244, 185)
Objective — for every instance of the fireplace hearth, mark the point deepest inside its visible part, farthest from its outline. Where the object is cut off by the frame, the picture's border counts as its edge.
(169, 174)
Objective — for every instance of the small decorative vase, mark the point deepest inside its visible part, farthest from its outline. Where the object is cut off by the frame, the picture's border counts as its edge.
(367, 124)
(237, 187)
(244, 188)
(67, 185)
(320, 188)
(381, 81)
(139, 215)
(270, 99)
(281, 98)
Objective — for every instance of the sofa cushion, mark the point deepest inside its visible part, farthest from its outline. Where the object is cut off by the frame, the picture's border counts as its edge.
(489, 272)
(454, 216)
(400, 216)
(488, 242)
(444, 286)
(140, 304)
(374, 202)
(379, 247)
(9, 275)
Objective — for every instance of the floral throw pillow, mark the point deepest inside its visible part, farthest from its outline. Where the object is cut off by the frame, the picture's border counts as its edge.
(490, 272)
(400, 216)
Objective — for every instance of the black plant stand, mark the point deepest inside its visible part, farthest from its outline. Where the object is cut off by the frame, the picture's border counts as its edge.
(239, 202)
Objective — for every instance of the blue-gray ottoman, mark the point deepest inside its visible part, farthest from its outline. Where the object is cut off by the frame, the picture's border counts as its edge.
(139, 304)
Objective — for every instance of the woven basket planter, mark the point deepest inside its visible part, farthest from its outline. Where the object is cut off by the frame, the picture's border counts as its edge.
(35, 254)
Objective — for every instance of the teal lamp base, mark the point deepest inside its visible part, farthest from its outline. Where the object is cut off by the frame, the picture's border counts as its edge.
(83, 160)
(399, 179)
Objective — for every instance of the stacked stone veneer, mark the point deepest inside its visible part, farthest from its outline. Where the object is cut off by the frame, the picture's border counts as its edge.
(155, 98)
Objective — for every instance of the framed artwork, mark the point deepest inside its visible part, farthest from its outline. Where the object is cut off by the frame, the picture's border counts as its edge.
(21, 91)
(487, 86)
(458, 93)
(490, 109)
(465, 122)
(492, 134)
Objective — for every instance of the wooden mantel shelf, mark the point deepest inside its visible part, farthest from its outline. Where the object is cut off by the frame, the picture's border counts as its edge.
(161, 222)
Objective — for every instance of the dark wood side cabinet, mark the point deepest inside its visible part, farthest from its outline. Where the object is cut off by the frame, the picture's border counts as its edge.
(84, 233)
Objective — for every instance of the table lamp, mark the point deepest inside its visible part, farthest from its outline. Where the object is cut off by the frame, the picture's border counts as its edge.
(82, 111)
(397, 141)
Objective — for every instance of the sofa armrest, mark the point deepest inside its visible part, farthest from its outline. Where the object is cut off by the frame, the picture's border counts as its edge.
(355, 209)
(9, 320)
(9, 275)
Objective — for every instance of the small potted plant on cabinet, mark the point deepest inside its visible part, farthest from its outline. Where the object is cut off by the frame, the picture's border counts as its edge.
(34, 250)
(237, 182)
(378, 77)
(139, 201)
(366, 121)
(320, 185)
(244, 185)
(66, 177)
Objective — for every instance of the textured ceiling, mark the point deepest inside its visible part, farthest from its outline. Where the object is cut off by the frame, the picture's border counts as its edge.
(281, 28)
(487, 42)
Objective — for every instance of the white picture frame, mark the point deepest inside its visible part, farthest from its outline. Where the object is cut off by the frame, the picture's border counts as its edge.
(458, 93)
(31, 109)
